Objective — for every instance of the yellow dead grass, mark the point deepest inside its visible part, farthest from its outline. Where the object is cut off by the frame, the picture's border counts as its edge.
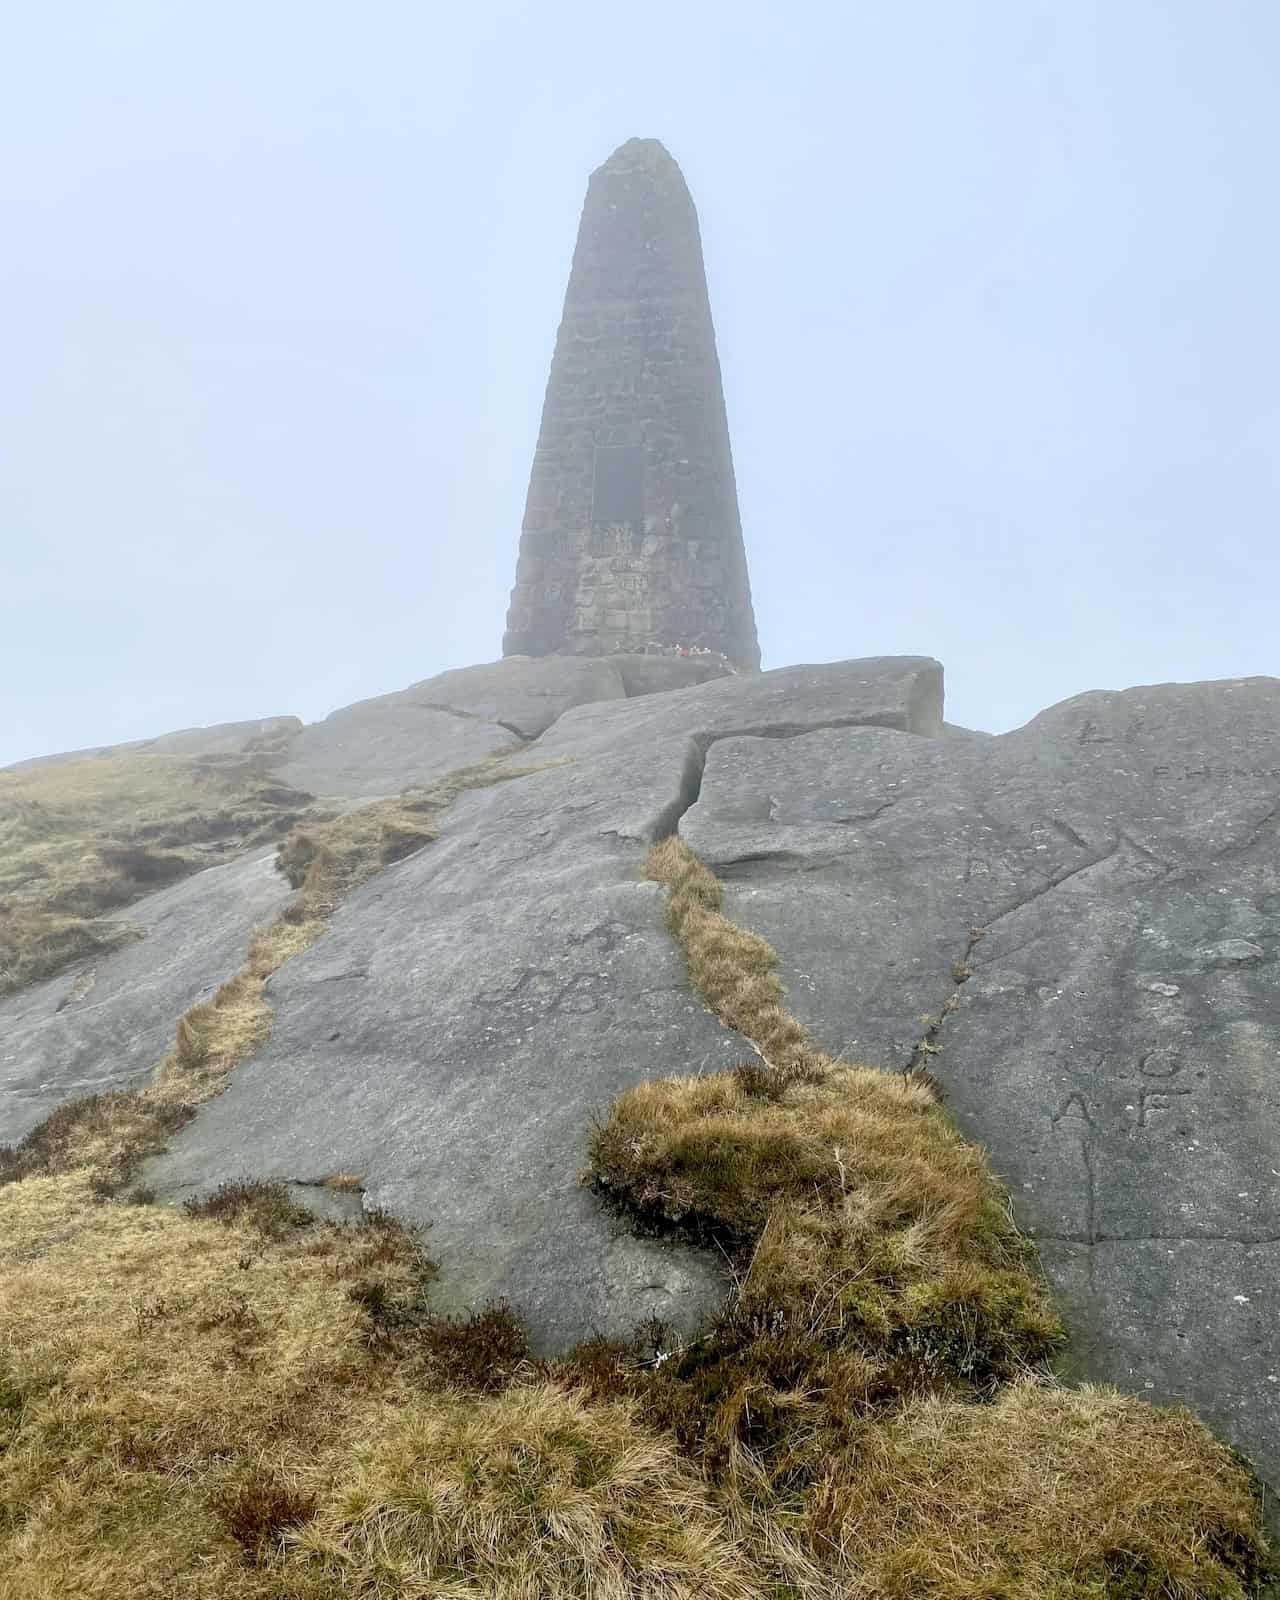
(192, 1408)
(79, 839)
(1045, 1494)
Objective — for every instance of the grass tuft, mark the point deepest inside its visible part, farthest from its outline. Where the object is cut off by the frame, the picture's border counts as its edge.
(531, 1492)
(268, 1207)
(1043, 1493)
(258, 1508)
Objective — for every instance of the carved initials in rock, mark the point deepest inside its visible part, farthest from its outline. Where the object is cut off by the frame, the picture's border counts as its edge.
(1073, 1110)
(551, 993)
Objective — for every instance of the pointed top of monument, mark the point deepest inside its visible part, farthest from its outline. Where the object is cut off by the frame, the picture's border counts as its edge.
(640, 154)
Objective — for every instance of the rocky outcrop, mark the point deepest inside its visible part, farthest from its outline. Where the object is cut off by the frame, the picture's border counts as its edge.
(1075, 926)
(105, 1025)
(467, 1013)
(380, 746)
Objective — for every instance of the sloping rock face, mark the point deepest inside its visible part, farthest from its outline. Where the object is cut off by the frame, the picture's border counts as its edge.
(454, 1031)
(1083, 919)
(105, 1026)
(223, 738)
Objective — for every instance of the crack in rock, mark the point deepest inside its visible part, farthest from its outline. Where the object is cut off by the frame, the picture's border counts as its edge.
(471, 716)
(1099, 1239)
(694, 765)
(962, 970)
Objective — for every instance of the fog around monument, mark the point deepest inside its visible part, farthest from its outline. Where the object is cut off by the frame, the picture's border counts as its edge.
(993, 288)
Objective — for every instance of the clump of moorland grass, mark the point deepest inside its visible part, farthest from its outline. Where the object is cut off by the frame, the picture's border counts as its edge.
(113, 1132)
(1044, 1494)
(81, 839)
(532, 1492)
(332, 858)
(885, 1319)
(264, 1205)
(733, 969)
(109, 1133)
(875, 1254)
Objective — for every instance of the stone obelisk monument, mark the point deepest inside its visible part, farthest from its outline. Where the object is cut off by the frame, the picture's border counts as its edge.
(631, 532)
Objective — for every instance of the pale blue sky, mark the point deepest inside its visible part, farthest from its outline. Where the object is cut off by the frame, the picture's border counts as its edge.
(994, 283)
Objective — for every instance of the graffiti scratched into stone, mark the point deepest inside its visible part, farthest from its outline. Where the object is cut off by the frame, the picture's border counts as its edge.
(1221, 774)
(1152, 1102)
(547, 993)
(1091, 733)
(1074, 1111)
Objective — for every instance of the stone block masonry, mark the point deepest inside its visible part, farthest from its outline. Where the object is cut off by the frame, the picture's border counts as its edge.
(631, 532)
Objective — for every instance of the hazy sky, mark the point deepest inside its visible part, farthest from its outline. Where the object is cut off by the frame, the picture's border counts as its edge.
(994, 284)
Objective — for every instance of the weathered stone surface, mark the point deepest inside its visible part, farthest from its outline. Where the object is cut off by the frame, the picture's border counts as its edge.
(68, 1037)
(655, 674)
(1117, 1046)
(469, 1009)
(383, 745)
(631, 531)
(365, 751)
(222, 738)
(522, 693)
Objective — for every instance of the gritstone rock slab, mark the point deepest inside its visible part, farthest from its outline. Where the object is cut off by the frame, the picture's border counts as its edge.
(106, 1024)
(1113, 1037)
(471, 1009)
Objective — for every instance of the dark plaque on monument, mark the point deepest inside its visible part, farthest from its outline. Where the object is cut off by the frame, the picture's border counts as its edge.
(617, 494)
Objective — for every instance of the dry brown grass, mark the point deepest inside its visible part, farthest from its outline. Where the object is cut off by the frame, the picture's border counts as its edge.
(237, 1402)
(875, 1254)
(113, 1132)
(1045, 1494)
(332, 858)
(733, 969)
(195, 1406)
(80, 839)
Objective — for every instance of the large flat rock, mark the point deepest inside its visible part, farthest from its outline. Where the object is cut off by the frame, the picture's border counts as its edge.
(524, 693)
(452, 1035)
(380, 746)
(373, 749)
(104, 1026)
(1117, 1047)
